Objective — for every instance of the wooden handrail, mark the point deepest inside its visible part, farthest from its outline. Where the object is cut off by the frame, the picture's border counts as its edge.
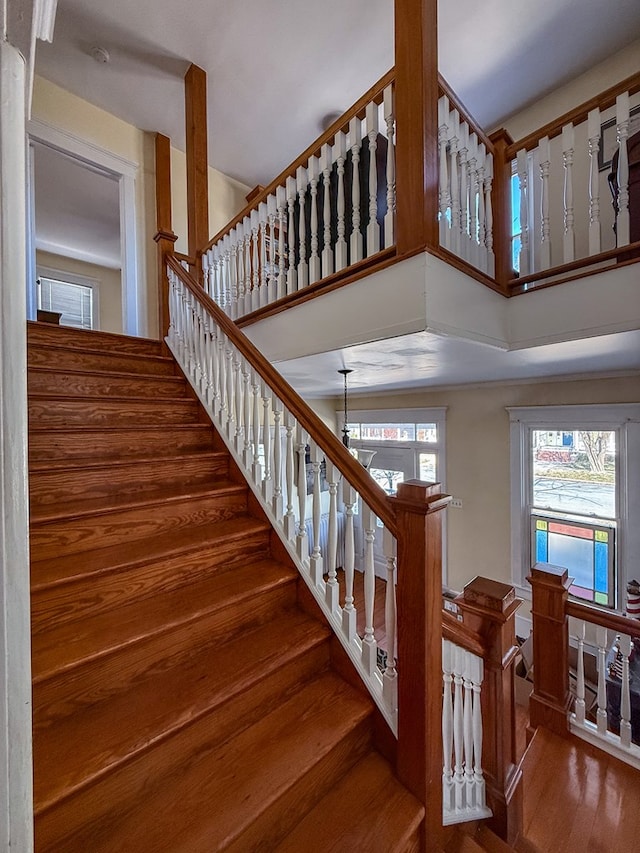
(373, 94)
(575, 116)
(573, 265)
(445, 89)
(597, 616)
(357, 476)
(457, 632)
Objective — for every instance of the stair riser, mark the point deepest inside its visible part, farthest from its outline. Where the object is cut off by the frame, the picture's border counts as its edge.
(48, 335)
(58, 412)
(53, 487)
(103, 804)
(112, 362)
(96, 680)
(100, 594)
(106, 385)
(131, 443)
(56, 538)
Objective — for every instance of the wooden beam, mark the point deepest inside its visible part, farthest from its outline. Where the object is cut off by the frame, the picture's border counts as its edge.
(164, 237)
(416, 93)
(197, 163)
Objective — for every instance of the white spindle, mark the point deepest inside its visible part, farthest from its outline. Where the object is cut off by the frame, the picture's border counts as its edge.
(625, 693)
(281, 204)
(256, 467)
(332, 590)
(521, 163)
(242, 269)
(488, 204)
(443, 188)
(340, 148)
(277, 501)
(389, 117)
(253, 301)
(622, 217)
(250, 252)
(481, 258)
(568, 143)
(292, 275)
(473, 196)
(458, 727)
(390, 676)
(349, 499)
(326, 165)
(467, 720)
(233, 271)
(263, 267)
(206, 273)
(593, 132)
(464, 188)
(231, 422)
(225, 279)
(448, 796)
(303, 267)
(355, 141)
(222, 371)
(243, 409)
(314, 259)
(369, 645)
(271, 252)
(373, 229)
(476, 666)
(289, 519)
(580, 706)
(267, 480)
(454, 144)
(601, 716)
(315, 561)
(544, 149)
(302, 540)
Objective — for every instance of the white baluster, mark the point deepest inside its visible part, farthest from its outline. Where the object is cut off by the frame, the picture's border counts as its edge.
(369, 644)
(625, 693)
(241, 270)
(332, 589)
(238, 367)
(476, 665)
(464, 189)
(349, 499)
(473, 197)
(355, 141)
(521, 162)
(389, 117)
(222, 370)
(373, 229)
(249, 222)
(341, 244)
(303, 267)
(213, 259)
(281, 203)
(253, 302)
(482, 225)
(277, 502)
(448, 794)
(315, 561)
(488, 204)
(206, 273)
(289, 519)
(292, 274)
(601, 716)
(544, 149)
(622, 128)
(593, 132)
(256, 467)
(568, 142)
(302, 540)
(263, 296)
(231, 423)
(443, 182)
(267, 482)
(390, 676)
(458, 727)
(314, 258)
(467, 719)
(272, 277)
(580, 706)
(326, 164)
(454, 144)
(227, 299)
(209, 344)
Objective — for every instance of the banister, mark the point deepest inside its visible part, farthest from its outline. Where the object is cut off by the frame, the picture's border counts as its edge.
(576, 115)
(356, 110)
(445, 89)
(331, 445)
(603, 618)
(457, 632)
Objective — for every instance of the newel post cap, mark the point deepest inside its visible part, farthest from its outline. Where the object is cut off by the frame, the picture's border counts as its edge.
(496, 599)
(553, 578)
(420, 497)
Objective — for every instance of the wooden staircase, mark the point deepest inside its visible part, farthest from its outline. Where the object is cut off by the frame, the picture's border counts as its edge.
(183, 699)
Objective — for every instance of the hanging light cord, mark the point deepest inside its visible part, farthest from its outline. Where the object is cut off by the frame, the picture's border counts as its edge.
(345, 429)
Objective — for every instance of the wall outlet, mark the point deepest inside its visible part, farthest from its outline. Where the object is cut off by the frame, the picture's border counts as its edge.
(456, 503)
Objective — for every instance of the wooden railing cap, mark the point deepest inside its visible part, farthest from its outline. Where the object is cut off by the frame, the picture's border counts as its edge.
(550, 575)
(419, 496)
(165, 235)
(489, 594)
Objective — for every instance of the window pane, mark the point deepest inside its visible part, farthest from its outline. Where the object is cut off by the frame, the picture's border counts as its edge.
(354, 430)
(387, 432)
(73, 301)
(387, 478)
(427, 432)
(428, 467)
(574, 471)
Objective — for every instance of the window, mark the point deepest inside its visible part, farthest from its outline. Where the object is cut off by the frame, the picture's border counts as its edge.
(74, 297)
(575, 488)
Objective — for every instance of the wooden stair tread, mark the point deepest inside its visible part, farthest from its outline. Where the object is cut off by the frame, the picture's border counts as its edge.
(368, 809)
(91, 383)
(75, 643)
(46, 514)
(111, 732)
(281, 763)
(53, 335)
(115, 558)
(88, 463)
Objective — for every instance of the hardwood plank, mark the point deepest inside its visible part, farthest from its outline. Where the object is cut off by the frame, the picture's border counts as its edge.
(85, 383)
(76, 358)
(65, 336)
(51, 410)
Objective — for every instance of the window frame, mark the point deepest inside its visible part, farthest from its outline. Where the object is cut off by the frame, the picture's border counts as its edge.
(81, 280)
(624, 419)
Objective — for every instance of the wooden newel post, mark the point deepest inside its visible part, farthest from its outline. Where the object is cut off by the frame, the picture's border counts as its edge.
(489, 608)
(549, 703)
(418, 508)
(195, 87)
(501, 203)
(164, 237)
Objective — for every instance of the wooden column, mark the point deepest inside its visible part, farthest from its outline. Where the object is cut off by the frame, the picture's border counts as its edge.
(549, 703)
(416, 93)
(195, 90)
(164, 237)
(418, 508)
(489, 608)
(501, 201)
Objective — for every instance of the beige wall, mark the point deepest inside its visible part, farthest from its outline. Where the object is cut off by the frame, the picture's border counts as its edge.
(477, 465)
(109, 283)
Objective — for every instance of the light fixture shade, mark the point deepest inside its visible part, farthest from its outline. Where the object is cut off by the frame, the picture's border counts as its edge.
(365, 456)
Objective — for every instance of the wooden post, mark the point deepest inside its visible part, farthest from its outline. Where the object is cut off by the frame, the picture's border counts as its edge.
(416, 91)
(501, 201)
(195, 90)
(418, 508)
(549, 703)
(489, 608)
(164, 237)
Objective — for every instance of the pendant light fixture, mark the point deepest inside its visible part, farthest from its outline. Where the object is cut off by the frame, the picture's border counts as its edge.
(345, 428)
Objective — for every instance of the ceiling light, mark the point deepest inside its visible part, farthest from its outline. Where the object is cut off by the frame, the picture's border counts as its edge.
(101, 55)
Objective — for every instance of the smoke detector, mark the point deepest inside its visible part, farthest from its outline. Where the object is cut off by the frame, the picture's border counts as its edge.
(101, 54)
